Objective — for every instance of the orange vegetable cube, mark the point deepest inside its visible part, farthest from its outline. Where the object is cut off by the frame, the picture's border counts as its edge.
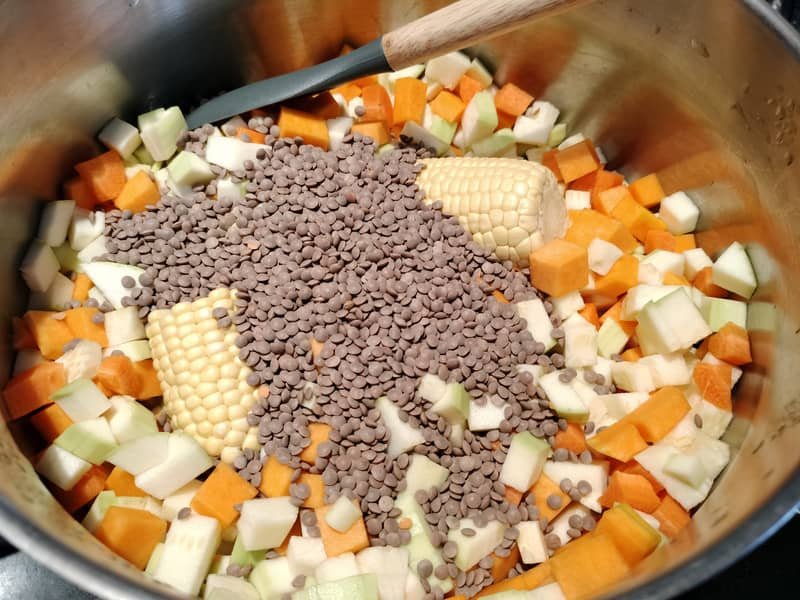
(117, 374)
(467, 87)
(377, 105)
(577, 160)
(448, 106)
(131, 533)
(632, 354)
(621, 441)
(250, 135)
(529, 580)
(587, 224)
(313, 130)
(316, 498)
(410, 97)
(79, 321)
(86, 490)
(634, 538)
(714, 384)
(624, 274)
(647, 191)
(512, 100)
(51, 334)
(123, 483)
(104, 174)
(635, 468)
(348, 91)
(549, 161)
(589, 312)
(512, 496)
(572, 438)
(543, 489)
(672, 279)
(376, 130)
(220, 492)
(504, 121)
(335, 542)
(559, 267)
(51, 422)
(605, 180)
(318, 432)
(636, 218)
(276, 478)
(31, 389)
(631, 489)
(659, 414)
(731, 344)
(588, 565)
(615, 312)
(22, 337)
(322, 105)
(671, 516)
(80, 191)
(659, 240)
(149, 380)
(702, 281)
(607, 200)
(82, 286)
(501, 565)
(685, 242)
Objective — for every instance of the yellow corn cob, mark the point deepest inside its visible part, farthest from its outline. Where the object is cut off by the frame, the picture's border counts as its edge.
(204, 383)
(510, 206)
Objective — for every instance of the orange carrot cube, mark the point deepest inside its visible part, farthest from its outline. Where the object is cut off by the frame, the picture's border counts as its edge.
(559, 267)
(577, 160)
(313, 130)
(647, 191)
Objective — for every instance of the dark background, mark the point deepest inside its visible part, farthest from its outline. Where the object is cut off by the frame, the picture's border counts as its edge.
(768, 571)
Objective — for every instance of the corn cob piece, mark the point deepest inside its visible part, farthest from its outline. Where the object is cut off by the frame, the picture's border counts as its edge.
(510, 206)
(204, 383)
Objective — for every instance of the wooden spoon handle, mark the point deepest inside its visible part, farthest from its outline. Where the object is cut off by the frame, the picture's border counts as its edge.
(461, 24)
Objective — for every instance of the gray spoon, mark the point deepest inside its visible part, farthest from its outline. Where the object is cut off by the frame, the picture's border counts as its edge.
(453, 27)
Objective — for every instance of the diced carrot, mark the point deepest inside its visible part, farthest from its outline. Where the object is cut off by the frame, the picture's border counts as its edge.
(131, 533)
(588, 565)
(605, 180)
(219, 493)
(659, 240)
(634, 468)
(607, 200)
(512, 496)
(624, 274)
(448, 106)
(31, 389)
(647, 191)
(51, 334)
(105, 175)
(318, 433)
(589, 312)
(587, 224)
(512, 100)
(313, 130)
(117, 374)
(577, 160)
(702, 281)
(539, 575)
(615, 313)
(634, 538)
(585, 183)
(673, 279)
(82, 285)
(714, 384)
(636, 218)
(572, 438)
(345, 49)
(51, 422)
(316, 347)
(22, 336)
(671, 516)
(147, 374)
(501, 565)
(630, 489)
(541, 490)
(621, 441)
(685, 242)
(410, 96)
(632, 354)
(500, 296)
(123, 483)
(376, 130)
(276, 478)
(504, 121)
(335, 542)
(81, 192)
(363, 82)
(549, 161)
(250, 135)
(86, 490)
(139, 192)
(79, 321)
(456, 151)
(559, 267)
(467, 87)
(731, 344)
(322, 105)
(659, 414)
(377, 105)
(316, 498)
(348, 91)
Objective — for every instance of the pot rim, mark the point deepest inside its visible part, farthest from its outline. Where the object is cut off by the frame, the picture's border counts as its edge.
(40, 545)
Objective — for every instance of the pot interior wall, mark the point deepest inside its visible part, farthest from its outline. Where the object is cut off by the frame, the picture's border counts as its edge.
(700, 92)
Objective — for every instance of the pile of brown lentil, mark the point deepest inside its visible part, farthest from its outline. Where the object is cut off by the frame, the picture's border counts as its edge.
(338, 246)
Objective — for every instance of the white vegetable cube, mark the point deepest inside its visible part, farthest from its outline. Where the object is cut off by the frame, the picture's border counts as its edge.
(160, 130)
(719, 311)
(39, 266)
(454, 404)
(567, 305)
(97, 511)
(90, 440)
(537, 321)
(96, 247)
(265, 522)
(56, 297)
(228, 190)
(696, 260)
(611, 338)
(579, 200)
(524, 461)
(679, 213)
(549, 591)
(390, 566)
(124, 325)
(132, 420)
(305, 554)
(620, 404)
(419, 134)
(61, 467)
(431, 388)
(563, 397)
(671, 323)
(227, 587)
(535, 125)
(471, 549)
(422, 473)
(487, 416)
(107, 277)
(479, 72)
(665, 261)
(81, 400)
(733, 271)
(532, 547)
(444, 130)
(120, 136)
(632, 377)
(342, 514)
(179, 499)
(580, 342)
(136, 350)
(85, 227)
(497, 144)
(230, 152)
(575, 138)
(479, 119)
(447, 69)
(688, 469)
(715, 419)
(595, 474)
(337, 567)
(560, 525)
(185, 460)
(273, 578)
(649, 274)
(639, 295)
(337, 129)
(54, 224)
(404, 436)
(602, 255)
(189, 169)
(667, 369)
(142, 453)
(188, 551)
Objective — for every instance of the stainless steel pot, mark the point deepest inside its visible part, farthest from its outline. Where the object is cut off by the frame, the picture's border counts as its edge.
(705, 92)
